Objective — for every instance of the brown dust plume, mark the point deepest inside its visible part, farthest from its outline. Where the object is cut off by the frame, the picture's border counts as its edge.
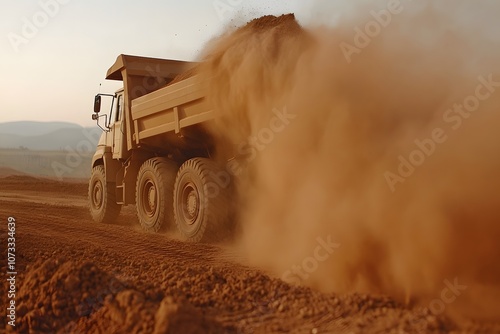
(364, 145)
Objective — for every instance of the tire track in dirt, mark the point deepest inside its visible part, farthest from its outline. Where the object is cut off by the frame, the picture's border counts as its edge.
(155, 267)
(33, 197)
(76, 225)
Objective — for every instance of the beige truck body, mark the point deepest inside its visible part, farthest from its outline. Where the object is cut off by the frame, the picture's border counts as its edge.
(157, 119)
(156, 151)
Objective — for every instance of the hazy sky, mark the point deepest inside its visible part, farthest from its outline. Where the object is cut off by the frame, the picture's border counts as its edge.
(56, 52)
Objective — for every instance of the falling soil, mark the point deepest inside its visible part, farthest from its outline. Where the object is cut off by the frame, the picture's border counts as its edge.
(386, 148)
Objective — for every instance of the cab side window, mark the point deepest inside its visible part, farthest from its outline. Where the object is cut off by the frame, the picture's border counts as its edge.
(119, 108)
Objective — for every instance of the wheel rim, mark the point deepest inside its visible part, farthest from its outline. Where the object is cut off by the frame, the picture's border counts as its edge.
(190, 204)
(149, 198)
(97, 195)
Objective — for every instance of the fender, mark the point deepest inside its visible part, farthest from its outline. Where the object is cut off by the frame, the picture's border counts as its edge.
(104, 156)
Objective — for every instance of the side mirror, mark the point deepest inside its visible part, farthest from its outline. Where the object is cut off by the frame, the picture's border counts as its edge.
(97, 104)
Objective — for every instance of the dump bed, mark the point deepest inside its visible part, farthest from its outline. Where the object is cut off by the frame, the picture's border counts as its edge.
(141, 76)
(164, 116)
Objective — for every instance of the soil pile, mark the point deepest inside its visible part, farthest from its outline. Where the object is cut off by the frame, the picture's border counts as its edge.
(54, 293)
(184, 75)
(131, 311)
(78, 297)
(284, 25)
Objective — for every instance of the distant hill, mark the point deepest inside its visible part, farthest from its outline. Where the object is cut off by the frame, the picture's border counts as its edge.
(6, 171)
(51, 136)
(29, 128)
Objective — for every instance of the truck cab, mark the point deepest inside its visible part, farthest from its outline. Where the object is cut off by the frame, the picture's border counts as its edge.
(113, 136)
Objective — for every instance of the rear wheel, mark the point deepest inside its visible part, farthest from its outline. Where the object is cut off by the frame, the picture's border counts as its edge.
(102, 197)
(154, 193)
(201, 204)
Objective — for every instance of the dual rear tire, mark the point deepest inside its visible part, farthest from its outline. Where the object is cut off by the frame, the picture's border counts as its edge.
(195, 196)
(201, 200)
(154, 193)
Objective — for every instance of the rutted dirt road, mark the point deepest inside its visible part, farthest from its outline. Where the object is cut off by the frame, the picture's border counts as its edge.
(75, 276)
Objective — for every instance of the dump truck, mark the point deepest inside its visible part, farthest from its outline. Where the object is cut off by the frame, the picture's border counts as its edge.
(156, 152)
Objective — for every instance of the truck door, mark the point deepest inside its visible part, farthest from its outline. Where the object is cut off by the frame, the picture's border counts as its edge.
(118, 129)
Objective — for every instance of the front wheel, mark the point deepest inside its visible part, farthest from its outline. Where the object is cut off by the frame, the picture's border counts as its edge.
(201, 200)
(154, 193)
(102, 197)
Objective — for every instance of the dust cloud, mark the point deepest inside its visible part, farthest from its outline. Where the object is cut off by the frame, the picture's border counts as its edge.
(368, 150)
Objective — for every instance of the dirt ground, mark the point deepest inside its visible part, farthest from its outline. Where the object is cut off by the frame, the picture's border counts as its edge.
(75, 276)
